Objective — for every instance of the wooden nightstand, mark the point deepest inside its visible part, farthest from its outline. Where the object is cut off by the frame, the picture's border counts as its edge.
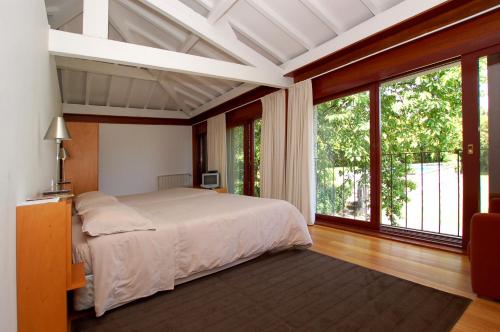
(45, 271)
(220, 190)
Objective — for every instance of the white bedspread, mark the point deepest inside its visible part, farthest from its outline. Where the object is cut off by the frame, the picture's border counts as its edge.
(195, 233)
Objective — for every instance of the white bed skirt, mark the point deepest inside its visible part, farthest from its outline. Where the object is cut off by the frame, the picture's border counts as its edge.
(84, 297)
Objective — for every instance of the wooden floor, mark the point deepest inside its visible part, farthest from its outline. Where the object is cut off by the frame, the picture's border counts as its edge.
(434, 268)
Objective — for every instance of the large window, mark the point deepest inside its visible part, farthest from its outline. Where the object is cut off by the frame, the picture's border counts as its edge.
(343, 157)
(235, 160)
(243, 158)
(422, 151)
(257, 128)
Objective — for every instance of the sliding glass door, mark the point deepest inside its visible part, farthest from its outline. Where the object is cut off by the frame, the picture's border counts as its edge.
(422, 175)
(409, 156)
(343, 157)
(243, 158)
(235, 160)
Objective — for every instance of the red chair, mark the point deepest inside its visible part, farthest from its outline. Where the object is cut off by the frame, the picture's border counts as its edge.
(485, 252)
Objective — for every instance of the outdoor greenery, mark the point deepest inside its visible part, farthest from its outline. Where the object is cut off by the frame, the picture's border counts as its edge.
(421, 120)
(235, 160)
(342, 150)
(257, 129)
(421, 123)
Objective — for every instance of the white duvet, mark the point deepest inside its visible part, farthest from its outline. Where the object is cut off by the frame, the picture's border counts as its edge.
(196, 230)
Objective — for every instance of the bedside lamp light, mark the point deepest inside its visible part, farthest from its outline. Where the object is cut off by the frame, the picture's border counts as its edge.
(57, 131)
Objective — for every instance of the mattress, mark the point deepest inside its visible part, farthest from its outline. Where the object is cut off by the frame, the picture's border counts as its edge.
(197, 231)
(80, 247)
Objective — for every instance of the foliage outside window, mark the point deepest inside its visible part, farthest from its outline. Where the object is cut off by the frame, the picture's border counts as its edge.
(421, 122)
(421, 130)
(257, 139)
(343, 157)
(235, 160)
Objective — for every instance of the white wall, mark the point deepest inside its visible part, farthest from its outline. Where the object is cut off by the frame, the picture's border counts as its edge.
(132, 156)
(29, 98)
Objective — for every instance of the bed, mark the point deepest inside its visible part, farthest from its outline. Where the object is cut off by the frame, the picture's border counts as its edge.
(197, 232)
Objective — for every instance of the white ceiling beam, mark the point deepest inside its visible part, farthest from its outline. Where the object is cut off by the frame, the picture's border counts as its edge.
(191, 104)
(151, 38)
(95, 18)
(168, 86)
(318, 10)
(239, 90)
(84, 47)
(205, 4)
(250, 35)
(64, 13)
(210, 84)
(215, 35)
(372, 7)
(188, 44)
(384, 20)
(121, 111)
(220, 9)
(278, 20)
(130, 38)
(189, 96)
(103, 68)
(192, 87)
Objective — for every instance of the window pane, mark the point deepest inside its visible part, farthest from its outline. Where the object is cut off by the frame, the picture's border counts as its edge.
(421, 151)
(343, 157)
(257, 125)
(235, 160)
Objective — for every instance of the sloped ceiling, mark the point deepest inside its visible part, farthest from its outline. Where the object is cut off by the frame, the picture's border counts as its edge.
(282, 33)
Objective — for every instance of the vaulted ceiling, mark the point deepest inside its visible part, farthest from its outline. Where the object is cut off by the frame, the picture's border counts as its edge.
(278, 36)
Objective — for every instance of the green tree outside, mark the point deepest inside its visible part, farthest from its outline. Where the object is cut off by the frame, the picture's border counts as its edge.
(421, 122)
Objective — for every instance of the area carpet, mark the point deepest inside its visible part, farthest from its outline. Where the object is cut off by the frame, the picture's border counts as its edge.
(289, 291)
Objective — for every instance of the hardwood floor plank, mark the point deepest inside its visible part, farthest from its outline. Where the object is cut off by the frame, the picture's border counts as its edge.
(430, 267)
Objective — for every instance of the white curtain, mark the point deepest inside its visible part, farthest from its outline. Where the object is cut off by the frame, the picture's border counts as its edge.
(272, 160)
(300, 184)
(216, 146)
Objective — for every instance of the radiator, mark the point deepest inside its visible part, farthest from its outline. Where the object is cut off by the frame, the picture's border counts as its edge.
(174, 181)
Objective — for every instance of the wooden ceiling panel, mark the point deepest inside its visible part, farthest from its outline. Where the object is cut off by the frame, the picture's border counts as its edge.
(119, 91)
(99, 86)
(140, 93)
(74, 86)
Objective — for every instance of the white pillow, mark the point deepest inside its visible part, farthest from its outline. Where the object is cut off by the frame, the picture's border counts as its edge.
(91, 199)
(116, 218)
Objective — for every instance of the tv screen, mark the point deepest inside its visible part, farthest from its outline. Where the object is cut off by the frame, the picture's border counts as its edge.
(210, 180)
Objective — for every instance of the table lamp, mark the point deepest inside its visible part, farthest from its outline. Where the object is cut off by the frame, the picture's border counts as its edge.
(57, 131)
(63, 155)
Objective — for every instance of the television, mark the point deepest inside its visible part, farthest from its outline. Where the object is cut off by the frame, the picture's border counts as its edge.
(210, 180)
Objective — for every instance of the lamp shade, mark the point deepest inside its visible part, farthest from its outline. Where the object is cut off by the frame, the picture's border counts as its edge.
(57, 130)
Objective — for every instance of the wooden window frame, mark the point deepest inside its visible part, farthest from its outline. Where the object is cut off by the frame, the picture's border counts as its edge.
(375, 160)
(462, 42)
(470, 38)
(246, 116)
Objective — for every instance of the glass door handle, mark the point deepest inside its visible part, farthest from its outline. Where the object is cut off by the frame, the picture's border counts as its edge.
(470, 149)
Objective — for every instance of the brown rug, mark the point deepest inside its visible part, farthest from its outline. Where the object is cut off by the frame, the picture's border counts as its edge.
(290, 291)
